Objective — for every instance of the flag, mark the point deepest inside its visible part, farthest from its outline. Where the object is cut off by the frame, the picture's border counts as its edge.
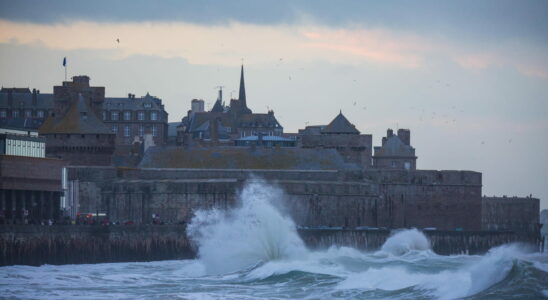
(64, 62)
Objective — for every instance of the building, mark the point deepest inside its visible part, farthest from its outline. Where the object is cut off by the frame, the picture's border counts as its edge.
(225, 124)
(134, 117)
(265, 141)
(126, 117)
(77, 136)
(341, 135)
(396, 152)
(22, 104)
(30, 184)
(21, 143)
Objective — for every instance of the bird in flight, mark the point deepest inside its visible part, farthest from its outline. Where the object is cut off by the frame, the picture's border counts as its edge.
(118, 40)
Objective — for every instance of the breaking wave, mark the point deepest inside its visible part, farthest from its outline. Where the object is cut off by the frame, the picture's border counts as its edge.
(254, 252)
(253, 233)
(255, 241)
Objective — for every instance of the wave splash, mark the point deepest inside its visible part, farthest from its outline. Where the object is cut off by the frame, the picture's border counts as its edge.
(251, 234)
(255, 241)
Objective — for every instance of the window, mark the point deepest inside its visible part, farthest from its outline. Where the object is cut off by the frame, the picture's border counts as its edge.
(147, 105)
(141, 115)
(114, 129)
(104, 115)
(393, 164)
(28, 113)
(127, 115)
(114, 116)
(141, 130)
(154, 116)
(154, 130)
(3, 113)
(40, 114)
(14, 113)
(127, 131)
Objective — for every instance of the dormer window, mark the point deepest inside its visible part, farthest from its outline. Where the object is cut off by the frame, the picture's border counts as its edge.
(147, 105)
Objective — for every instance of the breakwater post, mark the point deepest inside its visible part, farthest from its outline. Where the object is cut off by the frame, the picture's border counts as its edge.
(65, 244)
(74, 244)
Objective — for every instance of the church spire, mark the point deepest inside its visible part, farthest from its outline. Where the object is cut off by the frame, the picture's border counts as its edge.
(241, 97)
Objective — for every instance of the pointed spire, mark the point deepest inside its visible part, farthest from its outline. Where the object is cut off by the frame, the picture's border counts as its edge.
(241, 97)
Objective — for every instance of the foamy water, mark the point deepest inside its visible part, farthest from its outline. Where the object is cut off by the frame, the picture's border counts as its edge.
(254, 252)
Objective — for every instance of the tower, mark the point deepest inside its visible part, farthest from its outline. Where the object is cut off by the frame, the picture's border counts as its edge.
(241, 97)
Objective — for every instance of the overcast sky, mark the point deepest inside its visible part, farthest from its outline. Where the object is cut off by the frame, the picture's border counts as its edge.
(469, 78)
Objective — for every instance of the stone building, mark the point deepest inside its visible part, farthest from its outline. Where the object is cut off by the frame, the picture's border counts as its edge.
(224, 124)
(341, 135)
(22, 104)
(396, 152)
(134, 117)
(77, 136)
(128, 118)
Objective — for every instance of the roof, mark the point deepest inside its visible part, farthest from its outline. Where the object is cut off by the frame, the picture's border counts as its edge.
(229, 157)
(21, 123)
(340, 125)
(24, 100)
(266, 138)
(78, 120)
(394, 146)
(218, 107)
(125, 103)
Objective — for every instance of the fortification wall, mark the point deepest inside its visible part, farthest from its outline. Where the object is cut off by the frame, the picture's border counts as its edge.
(445, 200)
(519, 214)
(309, 203)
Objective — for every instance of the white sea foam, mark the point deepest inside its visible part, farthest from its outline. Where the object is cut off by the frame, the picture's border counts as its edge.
(253, 233)
(405, 241)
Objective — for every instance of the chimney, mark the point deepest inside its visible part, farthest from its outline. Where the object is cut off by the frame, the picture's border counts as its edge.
(389, 133)
(405, 136)
(34, 97)
(383, 140)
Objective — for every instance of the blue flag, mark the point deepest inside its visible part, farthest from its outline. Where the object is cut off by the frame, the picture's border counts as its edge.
(64, 62)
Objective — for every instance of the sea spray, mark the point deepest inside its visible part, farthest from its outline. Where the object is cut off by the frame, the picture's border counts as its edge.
(252, 233)
(403, 241)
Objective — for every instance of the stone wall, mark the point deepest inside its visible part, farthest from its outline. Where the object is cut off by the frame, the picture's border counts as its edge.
(445, 200)
(519, 214)
(354, 148)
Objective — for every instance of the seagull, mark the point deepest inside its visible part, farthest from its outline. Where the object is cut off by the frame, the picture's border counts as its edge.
(118, 40)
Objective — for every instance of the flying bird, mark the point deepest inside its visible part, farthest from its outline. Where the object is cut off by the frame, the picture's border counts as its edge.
(118, 40)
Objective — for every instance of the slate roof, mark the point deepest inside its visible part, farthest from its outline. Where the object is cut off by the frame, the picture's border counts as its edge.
(24, 100)
(290, 158)
(218, 107)
(21, 123)
(78, 120)
(394, 146)
(266, 138)
(124, 103)
(340, 125)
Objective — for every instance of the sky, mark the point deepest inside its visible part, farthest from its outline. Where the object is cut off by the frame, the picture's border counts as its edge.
(468, 78)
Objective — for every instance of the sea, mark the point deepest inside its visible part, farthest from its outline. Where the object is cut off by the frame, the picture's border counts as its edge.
(254, 252)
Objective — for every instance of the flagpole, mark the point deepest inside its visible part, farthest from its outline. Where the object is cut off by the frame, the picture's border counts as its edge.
(65, 72)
